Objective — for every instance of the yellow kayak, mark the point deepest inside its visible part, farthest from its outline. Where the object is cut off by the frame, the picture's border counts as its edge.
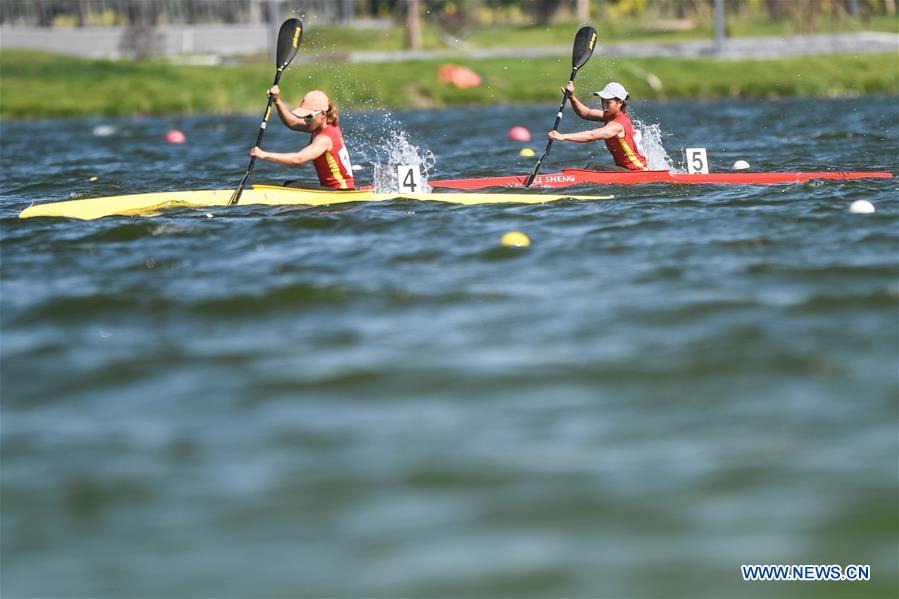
(148, 204)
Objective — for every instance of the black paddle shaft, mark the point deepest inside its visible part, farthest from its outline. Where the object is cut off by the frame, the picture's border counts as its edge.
(289, 37)
(584, 42)
(549, 144)
(235, 197)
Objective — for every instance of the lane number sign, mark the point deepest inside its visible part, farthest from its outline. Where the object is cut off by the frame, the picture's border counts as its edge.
(409, 178)
(697, 161)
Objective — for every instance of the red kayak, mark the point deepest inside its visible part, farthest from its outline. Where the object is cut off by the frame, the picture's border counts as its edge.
(577, 176)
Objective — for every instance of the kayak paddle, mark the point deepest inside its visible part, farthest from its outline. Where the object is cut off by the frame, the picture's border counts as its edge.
(584, 42)
(289, 37)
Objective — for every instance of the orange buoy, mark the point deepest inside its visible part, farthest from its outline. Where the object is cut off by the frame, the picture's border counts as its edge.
(461, 77)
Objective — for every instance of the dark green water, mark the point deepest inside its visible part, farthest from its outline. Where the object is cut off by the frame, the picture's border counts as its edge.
(379, 400)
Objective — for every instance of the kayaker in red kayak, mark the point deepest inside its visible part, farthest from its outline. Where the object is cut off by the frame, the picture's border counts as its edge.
(622, 140)
(317, 115)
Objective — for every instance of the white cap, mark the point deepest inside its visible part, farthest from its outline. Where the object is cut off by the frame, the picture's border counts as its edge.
(613, 90)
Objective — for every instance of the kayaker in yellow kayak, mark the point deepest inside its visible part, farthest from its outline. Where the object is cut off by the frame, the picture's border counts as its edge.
(622, 140)
(317, 115)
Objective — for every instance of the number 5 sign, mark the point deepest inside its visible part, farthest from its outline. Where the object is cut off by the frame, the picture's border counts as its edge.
(697, 162)
(409, 178)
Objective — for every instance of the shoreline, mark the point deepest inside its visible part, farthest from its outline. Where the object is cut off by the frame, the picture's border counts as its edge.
(38, 85)
(363, 110)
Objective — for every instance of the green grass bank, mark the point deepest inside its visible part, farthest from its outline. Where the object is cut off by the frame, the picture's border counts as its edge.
(35, 85)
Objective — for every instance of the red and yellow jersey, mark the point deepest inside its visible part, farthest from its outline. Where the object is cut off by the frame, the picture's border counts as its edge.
(334, 168)
(627, 151)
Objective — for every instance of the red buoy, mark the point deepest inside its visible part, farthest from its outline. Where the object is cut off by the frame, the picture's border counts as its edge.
(175, 136)
(519, 134)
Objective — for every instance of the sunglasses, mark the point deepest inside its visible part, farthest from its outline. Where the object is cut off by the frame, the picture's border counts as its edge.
(312, 114)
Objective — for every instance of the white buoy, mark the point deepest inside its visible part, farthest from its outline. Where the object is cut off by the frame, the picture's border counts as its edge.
(861, 207)
(740, 165)
(104, 130)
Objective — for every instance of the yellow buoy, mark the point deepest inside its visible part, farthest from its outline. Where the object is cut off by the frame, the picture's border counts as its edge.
(527, 152)
(93, 179)
(515, 239)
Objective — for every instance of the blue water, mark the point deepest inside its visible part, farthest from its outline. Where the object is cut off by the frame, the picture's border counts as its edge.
(380, 400)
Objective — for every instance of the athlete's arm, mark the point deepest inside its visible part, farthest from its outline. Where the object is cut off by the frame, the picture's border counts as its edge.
(319, 145)
(290, 120)
(581, 109)
(611, 130)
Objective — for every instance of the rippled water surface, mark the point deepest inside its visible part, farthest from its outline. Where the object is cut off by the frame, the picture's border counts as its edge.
(380, 400)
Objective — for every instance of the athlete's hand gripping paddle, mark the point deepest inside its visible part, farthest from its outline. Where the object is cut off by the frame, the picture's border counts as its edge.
(289, 37)
(584, 42)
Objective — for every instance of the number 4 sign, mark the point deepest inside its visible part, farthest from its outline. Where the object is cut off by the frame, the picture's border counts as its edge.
(409, 178)
(697, 162)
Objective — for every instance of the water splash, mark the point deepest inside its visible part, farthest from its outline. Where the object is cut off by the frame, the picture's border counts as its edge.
(394, 149)
(655, 153)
